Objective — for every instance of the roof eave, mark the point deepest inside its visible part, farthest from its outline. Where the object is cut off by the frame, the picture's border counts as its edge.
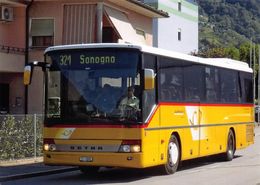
(155, 13)
(12, 3)
(142, 8)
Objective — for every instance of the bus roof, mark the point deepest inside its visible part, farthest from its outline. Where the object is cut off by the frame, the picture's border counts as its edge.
(219, 62)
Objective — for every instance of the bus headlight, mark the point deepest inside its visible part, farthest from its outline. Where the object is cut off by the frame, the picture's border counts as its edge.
(128, 146)
(46, 147)
(49, 147)
(52, 147)
(125, 148)
(135, 148)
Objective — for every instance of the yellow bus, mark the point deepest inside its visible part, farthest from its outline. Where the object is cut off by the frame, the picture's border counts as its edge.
(185, 107)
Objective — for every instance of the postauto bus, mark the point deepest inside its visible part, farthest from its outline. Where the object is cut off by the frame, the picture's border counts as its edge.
(188, 107)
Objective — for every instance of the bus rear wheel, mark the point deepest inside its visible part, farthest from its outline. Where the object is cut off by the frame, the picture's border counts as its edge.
(230, 152)
(89, 170)
(173, 157)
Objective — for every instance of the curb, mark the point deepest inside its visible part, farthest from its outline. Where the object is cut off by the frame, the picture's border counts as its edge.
(19, 162)
(37, 174)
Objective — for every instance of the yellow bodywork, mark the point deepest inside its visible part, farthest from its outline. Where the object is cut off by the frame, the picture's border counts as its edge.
(201, 129)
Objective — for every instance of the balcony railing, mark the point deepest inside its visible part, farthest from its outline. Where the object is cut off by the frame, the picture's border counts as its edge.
(10, 49)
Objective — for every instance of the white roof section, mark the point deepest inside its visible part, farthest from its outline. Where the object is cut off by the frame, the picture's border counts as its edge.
(227, 63)
(219, 62)
(88, 46)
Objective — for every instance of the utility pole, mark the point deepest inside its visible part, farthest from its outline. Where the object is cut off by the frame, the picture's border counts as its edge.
(99, 21)
(258, 85)
(250, 59)
(254, 72)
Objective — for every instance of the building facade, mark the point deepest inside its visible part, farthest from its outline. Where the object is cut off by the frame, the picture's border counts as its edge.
(179, 32)
(30, 26)
(12, 52)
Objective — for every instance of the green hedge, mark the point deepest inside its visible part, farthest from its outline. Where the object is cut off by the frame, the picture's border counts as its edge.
(17, 137)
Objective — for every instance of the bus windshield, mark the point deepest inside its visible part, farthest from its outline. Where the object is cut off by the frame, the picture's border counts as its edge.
(86, 86)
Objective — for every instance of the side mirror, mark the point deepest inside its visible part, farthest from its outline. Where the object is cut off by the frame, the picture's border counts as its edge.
(27, 75)
(149, 79)
(28, 70)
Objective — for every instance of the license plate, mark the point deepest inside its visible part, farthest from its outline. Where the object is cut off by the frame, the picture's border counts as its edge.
(86, 159)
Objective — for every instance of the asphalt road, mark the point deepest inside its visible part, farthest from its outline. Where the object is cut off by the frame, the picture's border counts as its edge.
(243, 170)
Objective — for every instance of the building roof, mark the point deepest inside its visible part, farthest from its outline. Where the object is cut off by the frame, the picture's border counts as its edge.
(14, 3)
(151, 8)
(134, 5)
(144, 8)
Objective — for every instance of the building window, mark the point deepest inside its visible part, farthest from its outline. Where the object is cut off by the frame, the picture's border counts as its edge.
(141, 33)
(179, 6)
(4, 98)
(179, 34)
(42, 32)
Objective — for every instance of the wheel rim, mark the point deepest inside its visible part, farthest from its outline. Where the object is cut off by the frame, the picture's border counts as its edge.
(230, 145)
(173, 153)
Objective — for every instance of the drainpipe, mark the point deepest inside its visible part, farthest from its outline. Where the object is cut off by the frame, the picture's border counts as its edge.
(99, 22)
(27, 19)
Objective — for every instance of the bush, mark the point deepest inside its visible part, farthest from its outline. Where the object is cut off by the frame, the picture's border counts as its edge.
(17, 137)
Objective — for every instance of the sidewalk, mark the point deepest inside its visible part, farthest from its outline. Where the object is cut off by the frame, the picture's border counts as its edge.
(30, 170)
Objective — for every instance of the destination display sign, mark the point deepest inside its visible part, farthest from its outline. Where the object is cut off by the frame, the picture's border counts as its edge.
(85, 59)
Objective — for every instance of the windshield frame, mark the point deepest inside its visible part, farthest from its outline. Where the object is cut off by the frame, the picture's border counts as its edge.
(64, 120)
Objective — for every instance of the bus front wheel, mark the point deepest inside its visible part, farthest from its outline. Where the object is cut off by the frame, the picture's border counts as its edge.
(173, 156)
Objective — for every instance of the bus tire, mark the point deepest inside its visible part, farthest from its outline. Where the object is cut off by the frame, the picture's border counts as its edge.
(89, 170)
(230, 152)
(173, 156)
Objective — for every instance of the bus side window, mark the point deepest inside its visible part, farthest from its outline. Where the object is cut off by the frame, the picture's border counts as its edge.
(164, 84)
(229, 86)
(194, 83)
(212, 84)
(171, 80)
(246, 87)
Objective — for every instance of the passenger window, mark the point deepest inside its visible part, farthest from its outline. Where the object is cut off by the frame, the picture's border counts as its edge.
(171, 80)
(212, 84)
(194, 83)
(246, 87)
(229, 86)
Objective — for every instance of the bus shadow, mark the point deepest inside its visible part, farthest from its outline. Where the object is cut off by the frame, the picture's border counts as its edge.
(124, 175)
(120, 175)
(107, 175)
(203, 161)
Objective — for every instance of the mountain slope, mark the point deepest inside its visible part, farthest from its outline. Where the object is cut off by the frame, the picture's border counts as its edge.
(225, 23)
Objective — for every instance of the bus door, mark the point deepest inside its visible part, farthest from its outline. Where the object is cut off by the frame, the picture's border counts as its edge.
(191, 146)
(150, 107)
(209, 113)
(207, 130)
(202, 133)
(193, 83)
(180, 86)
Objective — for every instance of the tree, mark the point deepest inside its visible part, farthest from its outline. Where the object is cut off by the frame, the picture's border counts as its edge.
(228, 23)
(244, 50)
(232, 52)
(221, 52)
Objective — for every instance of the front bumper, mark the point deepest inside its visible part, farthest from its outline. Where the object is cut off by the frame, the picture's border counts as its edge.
(130, 160)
